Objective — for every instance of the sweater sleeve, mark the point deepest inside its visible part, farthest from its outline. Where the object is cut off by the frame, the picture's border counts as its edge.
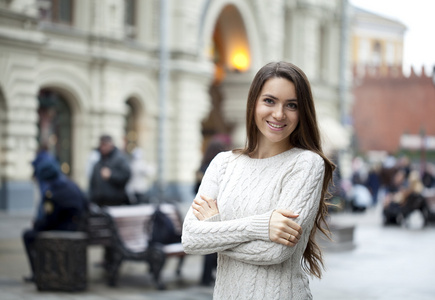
(213, 235)
(301, 191)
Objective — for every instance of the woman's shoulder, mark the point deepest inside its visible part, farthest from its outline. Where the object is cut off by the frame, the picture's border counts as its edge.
(222, 158)
(223, 155)
(309, 156)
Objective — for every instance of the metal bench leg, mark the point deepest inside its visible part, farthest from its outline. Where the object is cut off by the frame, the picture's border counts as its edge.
(180, 264)
(157, 259)
(113, 268)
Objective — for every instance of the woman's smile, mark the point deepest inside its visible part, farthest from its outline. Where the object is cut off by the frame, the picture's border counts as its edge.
(276, 126)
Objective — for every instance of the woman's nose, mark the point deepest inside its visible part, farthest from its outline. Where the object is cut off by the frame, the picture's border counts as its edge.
(278, 112)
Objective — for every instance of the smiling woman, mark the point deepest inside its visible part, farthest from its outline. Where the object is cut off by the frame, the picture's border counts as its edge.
(260, 207)
(276, 117)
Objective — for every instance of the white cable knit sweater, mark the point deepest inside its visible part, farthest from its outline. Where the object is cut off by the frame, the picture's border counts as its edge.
(250, 266)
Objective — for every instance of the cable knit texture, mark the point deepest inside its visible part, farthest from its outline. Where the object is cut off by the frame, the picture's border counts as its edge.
(250, 265)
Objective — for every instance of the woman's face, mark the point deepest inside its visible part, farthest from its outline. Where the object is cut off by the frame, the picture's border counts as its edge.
(276, 112)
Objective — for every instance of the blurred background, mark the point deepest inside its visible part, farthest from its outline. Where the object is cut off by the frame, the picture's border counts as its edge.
(167, 77)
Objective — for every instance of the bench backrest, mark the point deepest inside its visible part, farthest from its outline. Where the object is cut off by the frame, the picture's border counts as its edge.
(129, 222)
(133, 223)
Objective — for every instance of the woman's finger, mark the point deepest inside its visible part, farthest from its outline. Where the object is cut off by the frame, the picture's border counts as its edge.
(288, 242)
(208, 200)
(292, 237)
(294, 226)
(200, 204)
(293, 233)
(198, 201)
(196, 206)
(197, 214)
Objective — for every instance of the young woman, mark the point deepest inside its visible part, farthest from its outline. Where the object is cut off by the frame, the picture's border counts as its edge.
(260, 207)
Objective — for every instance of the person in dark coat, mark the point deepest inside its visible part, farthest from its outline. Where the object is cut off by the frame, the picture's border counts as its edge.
(64, 207)
(108, 182)
(110, 175)
(43, 155)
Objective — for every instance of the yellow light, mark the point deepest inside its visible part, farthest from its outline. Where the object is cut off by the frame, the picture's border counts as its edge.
(240, 61)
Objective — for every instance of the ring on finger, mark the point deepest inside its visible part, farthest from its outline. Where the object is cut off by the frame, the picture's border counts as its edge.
(289, 238)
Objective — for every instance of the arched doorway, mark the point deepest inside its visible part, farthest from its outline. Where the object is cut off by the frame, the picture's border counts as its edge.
(230, 52)
(55, 126)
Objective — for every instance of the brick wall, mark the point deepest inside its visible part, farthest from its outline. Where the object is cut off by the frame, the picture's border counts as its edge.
(387, 106)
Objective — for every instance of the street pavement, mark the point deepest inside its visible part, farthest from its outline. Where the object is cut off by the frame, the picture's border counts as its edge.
(387, 263)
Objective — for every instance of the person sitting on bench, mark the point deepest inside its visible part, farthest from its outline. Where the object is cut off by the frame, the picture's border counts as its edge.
(64, 206)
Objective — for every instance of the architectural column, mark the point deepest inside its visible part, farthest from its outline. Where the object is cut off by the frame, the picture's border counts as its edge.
(19, 135)
(189, 104)
(2, 140)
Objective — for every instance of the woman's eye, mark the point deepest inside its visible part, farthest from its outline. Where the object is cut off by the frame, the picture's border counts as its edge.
(268, 100)
(292, 106)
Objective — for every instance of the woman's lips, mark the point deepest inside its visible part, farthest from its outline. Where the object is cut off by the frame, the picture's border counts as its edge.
(275, 126)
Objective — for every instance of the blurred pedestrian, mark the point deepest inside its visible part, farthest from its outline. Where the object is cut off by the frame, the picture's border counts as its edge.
(108, 182)
(404, 164)
(359, 196)
(260, 207)
(139, 184)
(43, 155)
(373, 182)
(406, 199)
(64, 208)
(93, 158)
(428, 177)
(110, 175)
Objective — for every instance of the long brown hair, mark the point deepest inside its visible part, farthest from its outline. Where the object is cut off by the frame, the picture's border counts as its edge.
(305, 136)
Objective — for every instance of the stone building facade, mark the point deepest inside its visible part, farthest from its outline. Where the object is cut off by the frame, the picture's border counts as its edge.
(391, 110)
(73, 70)
(377, 42)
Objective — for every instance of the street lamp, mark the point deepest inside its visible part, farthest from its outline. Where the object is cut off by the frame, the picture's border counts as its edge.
(240, 60)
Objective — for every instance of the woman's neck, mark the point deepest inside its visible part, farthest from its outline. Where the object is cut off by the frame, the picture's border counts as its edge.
(268, 150)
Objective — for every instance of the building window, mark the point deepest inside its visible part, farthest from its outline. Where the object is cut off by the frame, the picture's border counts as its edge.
(390, 54)
(377, 54)
(130, 18)
(364, 51)
(56, 11)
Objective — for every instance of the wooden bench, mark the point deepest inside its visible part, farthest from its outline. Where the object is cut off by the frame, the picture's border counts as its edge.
(125, 233)
(129, 232)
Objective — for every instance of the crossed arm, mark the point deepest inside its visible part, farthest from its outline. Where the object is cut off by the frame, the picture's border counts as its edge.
(282, 229)
(262, 239)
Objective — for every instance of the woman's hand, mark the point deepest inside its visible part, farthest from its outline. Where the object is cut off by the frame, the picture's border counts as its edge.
(204, 208)
(282, 229)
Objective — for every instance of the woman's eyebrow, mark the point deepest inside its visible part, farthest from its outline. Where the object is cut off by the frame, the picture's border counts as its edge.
(275, 98)
(270, 96)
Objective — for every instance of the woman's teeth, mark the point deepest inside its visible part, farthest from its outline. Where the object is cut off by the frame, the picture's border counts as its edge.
(276, 126)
